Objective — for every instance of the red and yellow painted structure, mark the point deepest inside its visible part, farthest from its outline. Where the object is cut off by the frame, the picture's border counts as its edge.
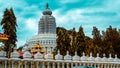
(3, 37)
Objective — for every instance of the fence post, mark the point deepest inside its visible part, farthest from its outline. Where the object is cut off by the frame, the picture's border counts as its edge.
(58, 65)
(71, 64)
(37, 64)
(94, 65)
(31, 63)
(67, 65)
(98, 65)
(63, 65)
(48, 64)
(18, 64)
(43, 64)
(53, 65)
(5, 64)
(25, 64)
(75, 64)
(12, 64)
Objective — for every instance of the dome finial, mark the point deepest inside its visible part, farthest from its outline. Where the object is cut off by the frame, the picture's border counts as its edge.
(47, 10)
(47, 6)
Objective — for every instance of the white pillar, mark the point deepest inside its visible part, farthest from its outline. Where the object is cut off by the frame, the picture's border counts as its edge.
(37, 64)
(58, 65)
(114, 65)
(117, 65)
(80, 64)
(111, 65)
(86, 64)
(63, 65)
(31, 64)
(53, 65)
(105, 66)
(48, 64)
(45, 41)
(75, 64)
(43, 65)
(98, 65)
(91, 64)
(71, 65)
(67, 65)
(101, 66)
(12, 64)
(9, 64)
(18, 64)
(5, 64)
(94, 65)
(25, 64)
(108, 66)
(46, 50)
(83, 64)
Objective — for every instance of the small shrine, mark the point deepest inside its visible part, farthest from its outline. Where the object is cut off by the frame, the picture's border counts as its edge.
(37, 47)
(3, 37)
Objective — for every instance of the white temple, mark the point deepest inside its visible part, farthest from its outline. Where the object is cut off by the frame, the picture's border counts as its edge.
(46, 32)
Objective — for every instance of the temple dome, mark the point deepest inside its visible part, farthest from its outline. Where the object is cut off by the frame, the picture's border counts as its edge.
(47, 22)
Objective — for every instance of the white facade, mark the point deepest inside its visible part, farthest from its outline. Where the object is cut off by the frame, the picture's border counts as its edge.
(46, 40)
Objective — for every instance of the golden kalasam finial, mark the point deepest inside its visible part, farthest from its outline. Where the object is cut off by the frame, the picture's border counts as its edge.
(37, 47)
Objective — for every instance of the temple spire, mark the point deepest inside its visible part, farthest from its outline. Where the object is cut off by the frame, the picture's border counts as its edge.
(47, 6)
(47, 11)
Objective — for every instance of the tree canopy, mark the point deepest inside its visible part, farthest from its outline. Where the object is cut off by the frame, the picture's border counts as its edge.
(106, 42)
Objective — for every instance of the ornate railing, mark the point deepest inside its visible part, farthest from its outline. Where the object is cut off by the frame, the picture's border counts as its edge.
(47, 61)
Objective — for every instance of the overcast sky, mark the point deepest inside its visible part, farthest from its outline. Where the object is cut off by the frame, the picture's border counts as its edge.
(68, 14)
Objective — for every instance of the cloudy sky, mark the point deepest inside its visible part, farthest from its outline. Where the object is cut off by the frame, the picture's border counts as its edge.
(68, 14)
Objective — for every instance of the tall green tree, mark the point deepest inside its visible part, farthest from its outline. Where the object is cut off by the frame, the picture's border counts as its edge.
(89, 45)
(80, 41)
(9, 27)
(59, 40)
(73, 42)
(111, 40)
(63, 42)
(97, 41)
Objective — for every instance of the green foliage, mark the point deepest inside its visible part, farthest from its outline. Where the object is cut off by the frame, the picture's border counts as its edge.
(107, 42)
(80, 41)
(63, 41)
(9, 27)
(112, 41)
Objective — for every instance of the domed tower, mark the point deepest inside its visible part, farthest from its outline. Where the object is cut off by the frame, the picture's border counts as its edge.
(47, 23)
(46, 32)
